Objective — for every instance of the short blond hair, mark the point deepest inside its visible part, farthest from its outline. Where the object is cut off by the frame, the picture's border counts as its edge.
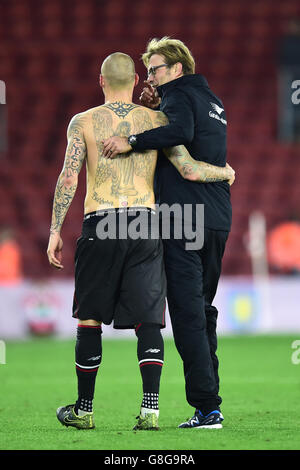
(173, 50)
(119, 70)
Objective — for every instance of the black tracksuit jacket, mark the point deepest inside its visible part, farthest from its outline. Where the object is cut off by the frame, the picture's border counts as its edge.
(197, 120)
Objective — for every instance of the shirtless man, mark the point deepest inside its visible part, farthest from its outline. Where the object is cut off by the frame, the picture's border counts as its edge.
(113, 276)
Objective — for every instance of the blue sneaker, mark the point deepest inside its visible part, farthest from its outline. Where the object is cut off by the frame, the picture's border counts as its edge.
(211, 421)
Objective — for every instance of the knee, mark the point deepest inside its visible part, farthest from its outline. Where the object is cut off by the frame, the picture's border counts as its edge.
(89, 322)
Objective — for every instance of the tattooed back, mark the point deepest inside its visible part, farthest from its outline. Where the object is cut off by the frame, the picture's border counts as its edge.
(128, 179)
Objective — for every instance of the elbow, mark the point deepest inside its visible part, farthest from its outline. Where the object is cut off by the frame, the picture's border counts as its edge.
(191, 176)
(69, 181)
(189, 173)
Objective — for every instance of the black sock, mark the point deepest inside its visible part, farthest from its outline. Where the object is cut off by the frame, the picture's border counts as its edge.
(150, 400)
(150, 352)
(88, 355)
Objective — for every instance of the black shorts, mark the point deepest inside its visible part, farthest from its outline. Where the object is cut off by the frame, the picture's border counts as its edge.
(120, 280)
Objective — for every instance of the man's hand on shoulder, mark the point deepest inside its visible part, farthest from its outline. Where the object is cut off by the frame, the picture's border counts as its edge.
(54, 250)
(115, 145)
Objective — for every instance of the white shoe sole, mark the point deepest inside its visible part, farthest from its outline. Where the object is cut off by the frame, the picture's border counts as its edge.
(212, 426)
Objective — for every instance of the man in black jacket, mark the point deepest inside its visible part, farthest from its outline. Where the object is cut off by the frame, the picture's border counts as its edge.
(197, 120)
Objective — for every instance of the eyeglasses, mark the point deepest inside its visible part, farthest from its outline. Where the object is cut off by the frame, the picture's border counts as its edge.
(152, 70)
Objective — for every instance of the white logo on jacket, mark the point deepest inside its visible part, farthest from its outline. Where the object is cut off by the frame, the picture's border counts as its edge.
(218, 110)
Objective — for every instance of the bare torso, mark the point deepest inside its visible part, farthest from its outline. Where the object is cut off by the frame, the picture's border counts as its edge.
(128, 179)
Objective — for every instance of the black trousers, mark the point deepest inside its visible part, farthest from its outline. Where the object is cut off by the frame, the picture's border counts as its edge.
(192, 280)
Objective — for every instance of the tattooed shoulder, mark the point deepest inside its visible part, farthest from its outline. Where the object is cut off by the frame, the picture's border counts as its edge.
(141, 119)
(76, 124)
(160, 119)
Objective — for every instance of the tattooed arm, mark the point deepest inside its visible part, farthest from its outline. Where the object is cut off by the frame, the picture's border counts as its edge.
(66, 187)
(200, 172)
(194, 170)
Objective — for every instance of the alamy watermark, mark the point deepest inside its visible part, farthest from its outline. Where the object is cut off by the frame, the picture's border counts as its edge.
(2, 352)
(2, 92)
(177, 222)
(295, 358)
(296, 94)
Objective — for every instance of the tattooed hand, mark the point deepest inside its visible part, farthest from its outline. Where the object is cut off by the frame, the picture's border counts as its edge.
(54, 250)
(115, 145)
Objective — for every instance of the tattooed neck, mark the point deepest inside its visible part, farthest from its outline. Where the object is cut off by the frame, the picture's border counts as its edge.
(121, 109)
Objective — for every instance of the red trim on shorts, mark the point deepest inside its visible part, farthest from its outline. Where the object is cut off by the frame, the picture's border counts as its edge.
(138, 326)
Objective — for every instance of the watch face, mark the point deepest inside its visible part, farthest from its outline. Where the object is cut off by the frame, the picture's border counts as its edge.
(132, 139)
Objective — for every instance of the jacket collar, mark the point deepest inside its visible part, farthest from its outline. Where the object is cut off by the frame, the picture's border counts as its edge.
(185, 80)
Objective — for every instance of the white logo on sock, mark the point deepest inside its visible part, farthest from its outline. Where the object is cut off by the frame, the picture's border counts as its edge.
(152, 350)
(94, 358)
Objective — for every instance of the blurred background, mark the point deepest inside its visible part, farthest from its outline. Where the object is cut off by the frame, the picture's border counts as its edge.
(50, 58)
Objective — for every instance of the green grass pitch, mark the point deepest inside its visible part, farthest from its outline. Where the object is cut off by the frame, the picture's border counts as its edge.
(260, 387)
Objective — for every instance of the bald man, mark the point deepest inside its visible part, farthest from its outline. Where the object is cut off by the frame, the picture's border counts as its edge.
(117, 278)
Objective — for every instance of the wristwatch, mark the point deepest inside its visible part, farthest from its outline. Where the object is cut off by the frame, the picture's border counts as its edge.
(132, 140)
